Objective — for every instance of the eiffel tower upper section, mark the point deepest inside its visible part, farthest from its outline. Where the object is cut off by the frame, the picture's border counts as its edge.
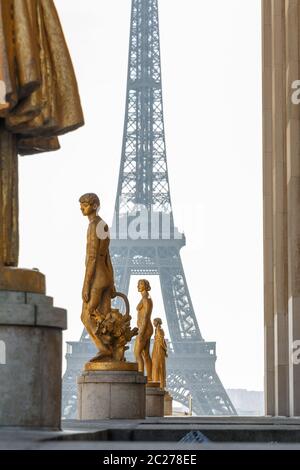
(143, 178)
(143, 188)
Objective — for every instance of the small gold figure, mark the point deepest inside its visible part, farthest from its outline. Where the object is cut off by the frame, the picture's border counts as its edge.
(107, 327)
(145, 329)
(159, 354)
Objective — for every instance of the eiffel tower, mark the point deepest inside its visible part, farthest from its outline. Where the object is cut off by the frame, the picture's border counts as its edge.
(143, 195)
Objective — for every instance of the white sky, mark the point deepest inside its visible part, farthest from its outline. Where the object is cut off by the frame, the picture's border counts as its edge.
(211, 63)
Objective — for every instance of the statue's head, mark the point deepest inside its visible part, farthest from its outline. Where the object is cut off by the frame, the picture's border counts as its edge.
(89, 204)
(157, 322)
(144, 285)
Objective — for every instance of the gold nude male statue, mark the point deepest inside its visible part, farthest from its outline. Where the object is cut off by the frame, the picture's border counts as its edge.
(159, 354)
(107, 327)
(142, 342)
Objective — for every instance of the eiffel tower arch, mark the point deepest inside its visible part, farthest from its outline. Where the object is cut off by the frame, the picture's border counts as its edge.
(144, 194)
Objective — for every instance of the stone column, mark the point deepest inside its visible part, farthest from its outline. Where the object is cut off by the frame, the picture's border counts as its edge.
(281, 155)
(293, 202)
(268, 208)
(31, 360)
(279, 208)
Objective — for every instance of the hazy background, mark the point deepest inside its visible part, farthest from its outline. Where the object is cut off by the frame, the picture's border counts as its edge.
(211, 64)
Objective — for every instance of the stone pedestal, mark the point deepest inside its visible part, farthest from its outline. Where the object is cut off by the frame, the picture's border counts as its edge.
(111, 394)
(154, 400)
(30, 360)
(22, 280)
(168, 404)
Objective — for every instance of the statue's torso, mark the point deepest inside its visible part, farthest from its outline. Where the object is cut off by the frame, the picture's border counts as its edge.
(144, 308)
(103, 275)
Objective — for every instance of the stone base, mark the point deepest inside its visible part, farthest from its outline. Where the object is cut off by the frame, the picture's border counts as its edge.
(111, 395)
(22, 280)
(154, 400)
(30, 360)
(168, 404)
(116, 366)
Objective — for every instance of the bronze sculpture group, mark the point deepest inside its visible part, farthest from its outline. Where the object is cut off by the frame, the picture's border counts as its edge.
(108, 328)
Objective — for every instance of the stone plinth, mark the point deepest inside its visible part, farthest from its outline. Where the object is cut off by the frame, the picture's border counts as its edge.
(168, 404)
(154, 400)
(30, 360)
(22, 280)
(105, 394)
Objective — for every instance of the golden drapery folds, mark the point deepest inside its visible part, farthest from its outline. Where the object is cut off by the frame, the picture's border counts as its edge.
(39, 98)
(159, 354)
(41, 87)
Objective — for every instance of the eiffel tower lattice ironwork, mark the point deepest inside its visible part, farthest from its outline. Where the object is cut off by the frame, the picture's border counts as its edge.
(143, 189)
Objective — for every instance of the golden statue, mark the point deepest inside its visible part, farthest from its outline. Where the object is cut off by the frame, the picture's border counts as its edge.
(39, 100)
(159, 354)
(107, 327)
(142, 342)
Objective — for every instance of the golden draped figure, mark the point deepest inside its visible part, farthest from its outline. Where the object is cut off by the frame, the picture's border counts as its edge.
(159, 354)
(39, 100)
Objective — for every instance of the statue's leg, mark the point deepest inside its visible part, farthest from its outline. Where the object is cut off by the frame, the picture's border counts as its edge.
(147, 359)
(105, 305)
(91, 325)
(155, 372)
(9, 207)
(138, 348)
